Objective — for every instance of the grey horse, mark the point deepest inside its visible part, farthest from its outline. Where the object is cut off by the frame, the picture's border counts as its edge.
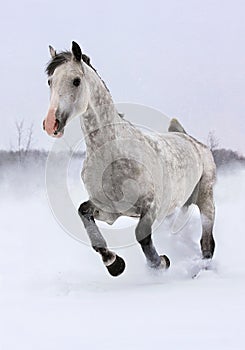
(126, 171)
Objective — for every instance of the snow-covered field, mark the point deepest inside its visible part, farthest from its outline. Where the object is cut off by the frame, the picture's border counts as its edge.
(56, 294)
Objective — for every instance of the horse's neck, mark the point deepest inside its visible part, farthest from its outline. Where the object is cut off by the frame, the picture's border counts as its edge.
(101, 122)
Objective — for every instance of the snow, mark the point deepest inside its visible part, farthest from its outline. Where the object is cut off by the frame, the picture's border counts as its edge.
(55, 292)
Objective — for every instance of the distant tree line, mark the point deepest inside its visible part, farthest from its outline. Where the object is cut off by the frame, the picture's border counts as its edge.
(226, 158)
(223, 158)
(31, 156)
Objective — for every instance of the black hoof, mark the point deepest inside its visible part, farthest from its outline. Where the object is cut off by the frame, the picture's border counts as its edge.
(165, 263)
(117, 267)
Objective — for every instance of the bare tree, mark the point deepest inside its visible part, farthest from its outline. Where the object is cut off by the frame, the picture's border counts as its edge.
(20, 130)
(212, 140)
(24, 138)
(29, 138)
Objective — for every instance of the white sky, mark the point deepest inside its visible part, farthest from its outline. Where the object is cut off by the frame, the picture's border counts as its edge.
(185, 58)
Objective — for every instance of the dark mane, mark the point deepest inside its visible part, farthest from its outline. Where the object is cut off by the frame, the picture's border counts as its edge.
(57, 61)
(66, 56)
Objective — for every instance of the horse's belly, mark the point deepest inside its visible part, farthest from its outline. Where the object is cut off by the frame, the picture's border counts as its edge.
(182, 189)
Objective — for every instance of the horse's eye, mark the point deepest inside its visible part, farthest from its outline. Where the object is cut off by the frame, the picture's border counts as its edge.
(49, 82)
(76, 81)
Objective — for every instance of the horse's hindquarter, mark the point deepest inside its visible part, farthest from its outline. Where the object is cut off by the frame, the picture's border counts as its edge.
(182, 162)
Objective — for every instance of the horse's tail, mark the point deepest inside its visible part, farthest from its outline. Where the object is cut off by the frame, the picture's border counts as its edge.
(175, 126)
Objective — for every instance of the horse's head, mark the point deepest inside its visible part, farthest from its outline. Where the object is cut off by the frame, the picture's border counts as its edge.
(69, 91)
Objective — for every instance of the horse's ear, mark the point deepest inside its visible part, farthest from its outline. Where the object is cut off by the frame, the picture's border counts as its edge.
(52, 51)
(76, 51)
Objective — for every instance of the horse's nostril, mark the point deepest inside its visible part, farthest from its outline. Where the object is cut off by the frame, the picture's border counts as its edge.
(44, 125)
(56, 127)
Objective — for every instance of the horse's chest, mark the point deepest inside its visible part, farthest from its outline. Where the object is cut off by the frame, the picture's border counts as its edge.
(119, 183)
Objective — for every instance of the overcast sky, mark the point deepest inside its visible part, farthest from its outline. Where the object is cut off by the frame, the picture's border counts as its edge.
(185, 58)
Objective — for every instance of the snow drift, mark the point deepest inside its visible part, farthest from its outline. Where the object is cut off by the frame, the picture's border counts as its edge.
(56, 294)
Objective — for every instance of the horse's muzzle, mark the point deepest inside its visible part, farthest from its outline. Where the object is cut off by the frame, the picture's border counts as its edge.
(52, 125)
(55, 130)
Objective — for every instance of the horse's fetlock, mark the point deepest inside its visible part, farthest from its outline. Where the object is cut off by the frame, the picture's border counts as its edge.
(208, 247)
(109, 259)
(162, 263)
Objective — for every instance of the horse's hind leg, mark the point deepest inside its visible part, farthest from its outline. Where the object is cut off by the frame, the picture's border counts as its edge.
(114, 263)
(206, 206)
(143, 233)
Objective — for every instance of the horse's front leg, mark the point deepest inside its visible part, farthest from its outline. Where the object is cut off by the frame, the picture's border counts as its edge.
(143, 235)
(114, 263)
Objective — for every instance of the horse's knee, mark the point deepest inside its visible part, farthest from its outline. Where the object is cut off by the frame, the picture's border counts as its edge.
(85, 212)
(84, 208)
